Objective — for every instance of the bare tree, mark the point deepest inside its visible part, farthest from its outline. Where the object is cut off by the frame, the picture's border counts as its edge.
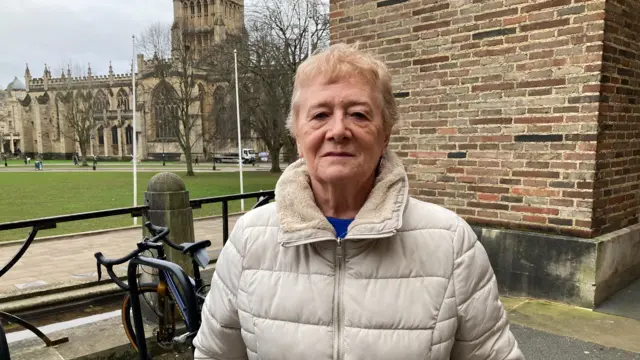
(155, 41)
(78, 113)
(274, 43)
(222, 117)
(179, 90)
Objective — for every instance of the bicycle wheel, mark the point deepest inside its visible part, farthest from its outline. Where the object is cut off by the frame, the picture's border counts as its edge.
(127, 320)
(4, 347)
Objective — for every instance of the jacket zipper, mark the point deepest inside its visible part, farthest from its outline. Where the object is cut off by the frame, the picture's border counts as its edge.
(337, 309)
(355, 237)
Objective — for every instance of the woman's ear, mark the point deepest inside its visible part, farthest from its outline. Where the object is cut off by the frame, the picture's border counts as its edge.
(299, 150)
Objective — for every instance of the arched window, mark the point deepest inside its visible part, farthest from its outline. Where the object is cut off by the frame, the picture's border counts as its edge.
(164, 108)
(123, 100)
(114, 135)
(193, 8)
(100, 136)
(206, 7)
(199, 6)
(100, 102)
(129, 134)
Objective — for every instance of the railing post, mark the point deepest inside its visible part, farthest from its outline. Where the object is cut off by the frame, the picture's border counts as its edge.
(168, 202)
(225, 222)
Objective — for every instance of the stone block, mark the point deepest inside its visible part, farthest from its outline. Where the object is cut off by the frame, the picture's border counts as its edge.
(582, 272)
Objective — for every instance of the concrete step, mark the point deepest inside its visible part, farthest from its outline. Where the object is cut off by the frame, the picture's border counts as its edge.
(625, 303)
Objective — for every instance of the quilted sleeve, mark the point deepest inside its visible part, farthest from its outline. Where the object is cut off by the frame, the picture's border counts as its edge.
(219, 336)
(483, 328)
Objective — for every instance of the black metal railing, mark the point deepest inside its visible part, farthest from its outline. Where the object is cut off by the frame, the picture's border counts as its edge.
(263, 197)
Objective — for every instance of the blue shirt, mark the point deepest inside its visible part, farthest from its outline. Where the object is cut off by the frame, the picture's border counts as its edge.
(340, 225)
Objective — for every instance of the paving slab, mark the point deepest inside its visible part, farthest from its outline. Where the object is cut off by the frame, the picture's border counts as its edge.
(70, 260)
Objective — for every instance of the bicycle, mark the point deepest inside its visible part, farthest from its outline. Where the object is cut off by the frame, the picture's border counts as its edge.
(166, 290)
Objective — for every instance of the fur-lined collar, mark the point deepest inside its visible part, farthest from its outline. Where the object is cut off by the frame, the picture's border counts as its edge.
(301, 221)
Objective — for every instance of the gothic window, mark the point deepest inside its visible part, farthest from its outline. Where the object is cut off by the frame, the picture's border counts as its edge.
(199, 6)
(100, 136)
(100, 102)
(206, 7)
(193, 8)
(123, 100)
(114, 135)
(129, 134)
(164, 109)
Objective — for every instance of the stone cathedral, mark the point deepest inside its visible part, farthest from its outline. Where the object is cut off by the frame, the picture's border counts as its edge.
(31, 122)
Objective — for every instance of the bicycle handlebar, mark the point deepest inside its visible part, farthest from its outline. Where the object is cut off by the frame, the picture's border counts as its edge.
(160, 233)
(109, 263)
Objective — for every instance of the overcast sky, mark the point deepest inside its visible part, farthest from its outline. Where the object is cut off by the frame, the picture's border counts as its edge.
(81, 31)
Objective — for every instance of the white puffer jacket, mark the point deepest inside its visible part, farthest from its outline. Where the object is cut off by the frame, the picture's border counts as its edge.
(409, 281)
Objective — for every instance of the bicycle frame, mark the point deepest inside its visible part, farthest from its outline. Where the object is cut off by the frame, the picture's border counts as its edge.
(191, 314)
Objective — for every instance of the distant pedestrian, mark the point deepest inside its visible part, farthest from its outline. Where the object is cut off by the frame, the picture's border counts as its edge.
(196, 159)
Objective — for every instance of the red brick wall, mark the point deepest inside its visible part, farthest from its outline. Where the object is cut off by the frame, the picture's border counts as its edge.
(499, 101)
(618, 151)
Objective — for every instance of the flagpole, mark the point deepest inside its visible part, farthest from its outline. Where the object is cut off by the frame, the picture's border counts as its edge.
(135, 129)
(235, 61)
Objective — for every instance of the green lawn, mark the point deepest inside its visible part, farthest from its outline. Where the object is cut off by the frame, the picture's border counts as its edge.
(40, 194)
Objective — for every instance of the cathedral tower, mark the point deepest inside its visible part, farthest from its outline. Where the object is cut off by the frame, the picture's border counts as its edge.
(205, 22)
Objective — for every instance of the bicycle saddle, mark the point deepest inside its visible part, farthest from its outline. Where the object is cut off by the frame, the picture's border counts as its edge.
(193, 247)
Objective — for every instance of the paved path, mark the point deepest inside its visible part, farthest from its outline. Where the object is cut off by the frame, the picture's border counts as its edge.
(538, 345)
(68, 261)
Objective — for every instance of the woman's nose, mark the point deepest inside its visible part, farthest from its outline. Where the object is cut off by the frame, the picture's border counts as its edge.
(338, 128)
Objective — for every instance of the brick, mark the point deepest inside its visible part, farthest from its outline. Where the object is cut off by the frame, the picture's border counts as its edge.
(494, 86)
(539, 174)
(457, 155)
(545, 5)
(574, 10)
(514, 20)
(496, 14)
(490, 121)
(560, 222)
(541, 25)
(488, 197)
(534, 218)
(389, 2)
(430, 9)
(431, 60)
(538, 120)
(541, 83)
(534, 192)
(432, 26)
(493, 33)
(428, 155)
(488, 205)
(488, 189)
(538, 138)
(534, 210)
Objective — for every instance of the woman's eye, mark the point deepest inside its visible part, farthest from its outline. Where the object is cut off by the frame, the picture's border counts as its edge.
(320, 116)
(359, 115)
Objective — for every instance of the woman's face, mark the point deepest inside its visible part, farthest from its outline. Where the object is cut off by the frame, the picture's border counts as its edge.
(339, 130)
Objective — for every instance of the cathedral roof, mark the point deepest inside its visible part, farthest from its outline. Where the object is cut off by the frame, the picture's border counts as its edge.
(16, 85)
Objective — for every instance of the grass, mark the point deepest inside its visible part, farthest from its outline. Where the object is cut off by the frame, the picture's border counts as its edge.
(41, 194)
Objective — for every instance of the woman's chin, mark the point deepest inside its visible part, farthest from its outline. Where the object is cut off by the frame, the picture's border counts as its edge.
(339, 174)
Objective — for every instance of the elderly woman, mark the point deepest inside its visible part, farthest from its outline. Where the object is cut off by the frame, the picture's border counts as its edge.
(344, 264)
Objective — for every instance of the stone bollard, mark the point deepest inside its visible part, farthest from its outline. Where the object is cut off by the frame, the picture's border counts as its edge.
(168, 201)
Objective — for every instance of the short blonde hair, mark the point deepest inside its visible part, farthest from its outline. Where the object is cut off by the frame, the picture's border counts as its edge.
(341, 61)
